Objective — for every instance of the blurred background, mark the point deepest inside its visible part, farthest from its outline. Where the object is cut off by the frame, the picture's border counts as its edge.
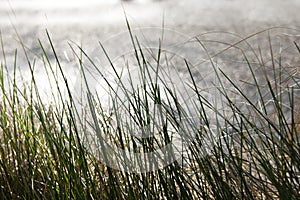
(86, 22)
(191, 16)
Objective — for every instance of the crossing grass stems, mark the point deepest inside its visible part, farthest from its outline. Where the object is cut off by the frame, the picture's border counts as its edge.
(255, 154)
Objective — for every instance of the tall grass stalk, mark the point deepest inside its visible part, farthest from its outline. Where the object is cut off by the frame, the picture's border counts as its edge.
(243, 144)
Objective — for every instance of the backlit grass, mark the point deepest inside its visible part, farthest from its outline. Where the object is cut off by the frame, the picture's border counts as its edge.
(240, 142)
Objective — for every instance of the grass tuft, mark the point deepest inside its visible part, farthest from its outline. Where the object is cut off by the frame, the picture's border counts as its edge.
(223, 126)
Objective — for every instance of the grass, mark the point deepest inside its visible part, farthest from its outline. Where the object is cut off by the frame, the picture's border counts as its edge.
(232, 139)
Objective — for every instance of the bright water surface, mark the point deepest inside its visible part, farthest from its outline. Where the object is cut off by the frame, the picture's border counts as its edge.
(85, 22)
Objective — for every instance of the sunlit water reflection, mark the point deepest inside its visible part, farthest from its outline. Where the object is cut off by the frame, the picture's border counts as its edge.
(86, 22)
